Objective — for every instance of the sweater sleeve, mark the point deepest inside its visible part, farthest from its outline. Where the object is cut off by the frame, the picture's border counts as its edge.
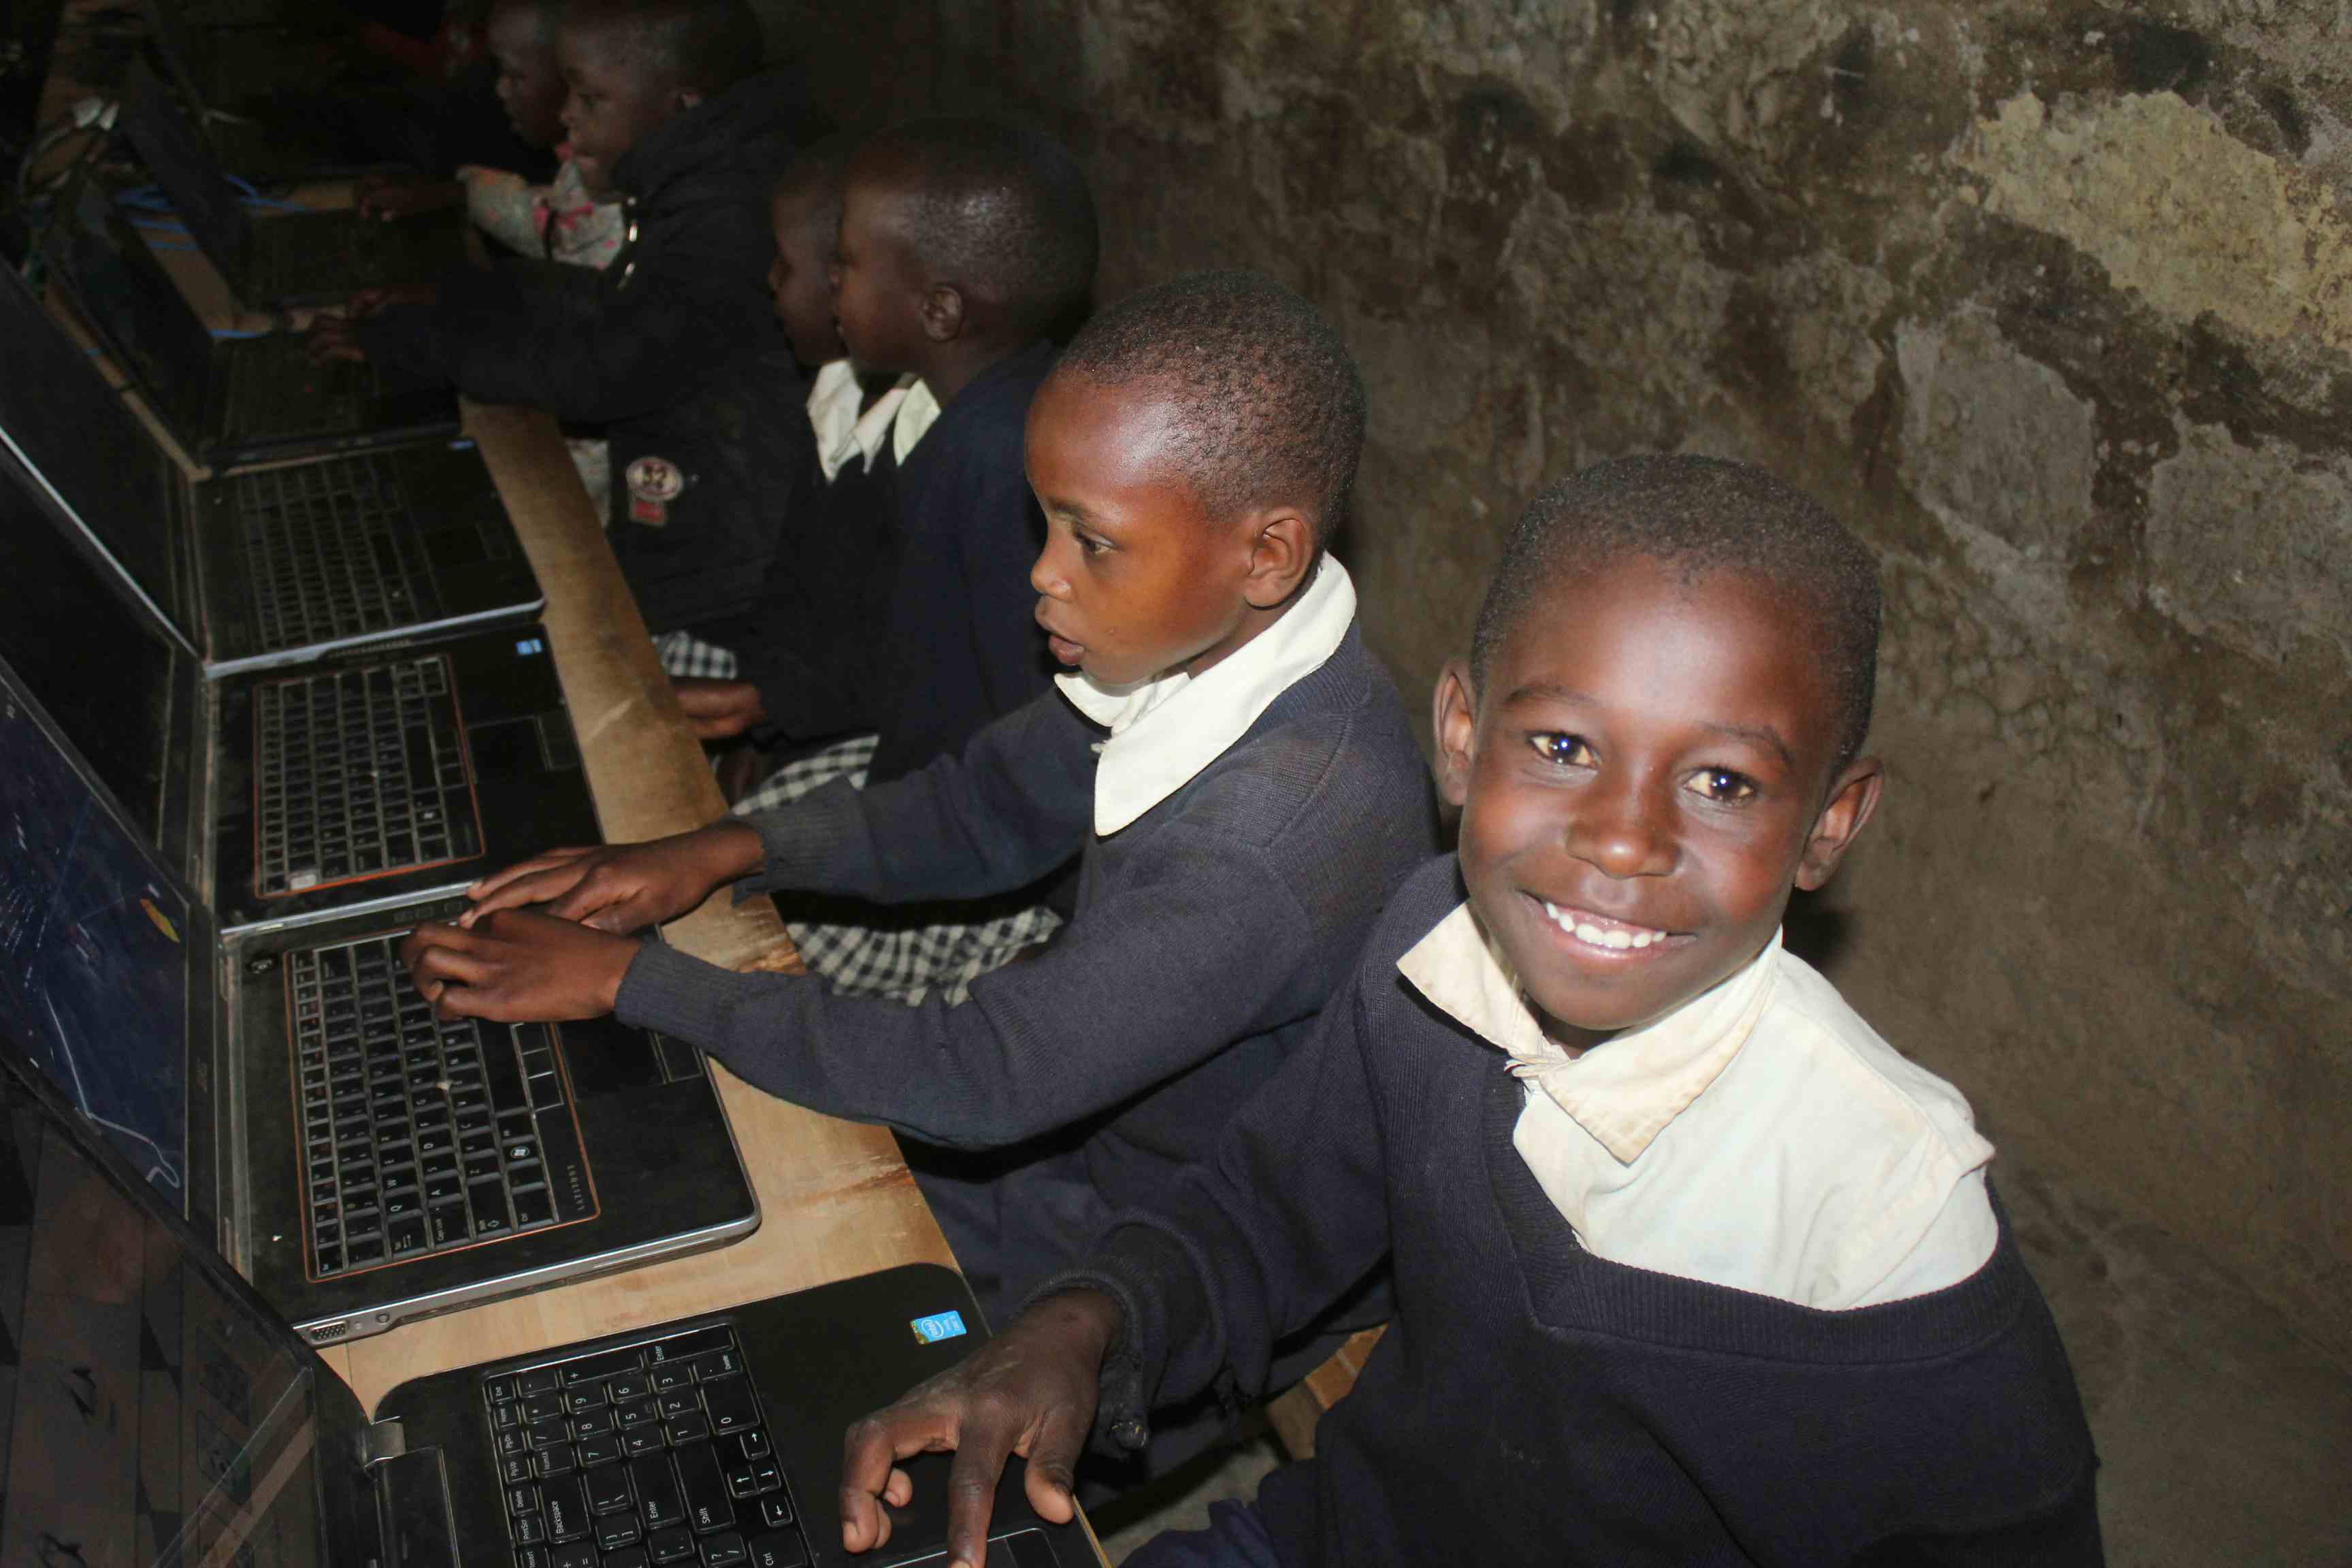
(1190, 951)
(1015, 804)
(1285, 1214)
(585, 346)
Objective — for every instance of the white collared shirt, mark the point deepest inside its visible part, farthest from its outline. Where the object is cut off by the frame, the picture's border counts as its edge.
(1164, 730)
(844, 427)
(1761, 1136)
(917, 414)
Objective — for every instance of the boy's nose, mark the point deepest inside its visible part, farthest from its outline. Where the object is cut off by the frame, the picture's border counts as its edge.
(1620, 834)
(1046, 576)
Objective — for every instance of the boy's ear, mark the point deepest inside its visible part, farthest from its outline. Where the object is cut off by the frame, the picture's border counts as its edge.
(1282, 547)
(944, 313)
(1854, 800)
(1454, 726)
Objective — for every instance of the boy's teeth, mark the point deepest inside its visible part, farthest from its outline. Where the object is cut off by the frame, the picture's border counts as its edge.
(1618, 938)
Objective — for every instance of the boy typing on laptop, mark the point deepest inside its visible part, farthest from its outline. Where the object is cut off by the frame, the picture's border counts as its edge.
(1225, 757)
(1690, 1266)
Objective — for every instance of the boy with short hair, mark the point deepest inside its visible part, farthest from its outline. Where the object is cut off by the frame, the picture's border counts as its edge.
(1226, 759)
(673, 348)
(1690, 1266)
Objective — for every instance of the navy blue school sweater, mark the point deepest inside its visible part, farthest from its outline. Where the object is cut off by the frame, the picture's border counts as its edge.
(960, 646)
(674, 350)
(1531, 1403)
(1205, 936)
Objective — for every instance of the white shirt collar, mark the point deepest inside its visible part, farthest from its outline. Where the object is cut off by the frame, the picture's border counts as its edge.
(916, 415)
(1164, 730)
(844, 428)
(1624, 1091)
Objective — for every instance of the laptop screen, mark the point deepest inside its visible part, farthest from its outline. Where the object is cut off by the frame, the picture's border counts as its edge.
(100, 667)
(95, 946)
(149, 1414)
(174, 150)
(146, 324)
(74, 431)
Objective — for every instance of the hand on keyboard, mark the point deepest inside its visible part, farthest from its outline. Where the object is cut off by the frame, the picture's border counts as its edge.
(1031, 1391)
(623, 887)
(518, 967)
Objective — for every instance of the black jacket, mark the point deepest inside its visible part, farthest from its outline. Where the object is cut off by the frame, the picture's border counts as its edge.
(674, 350)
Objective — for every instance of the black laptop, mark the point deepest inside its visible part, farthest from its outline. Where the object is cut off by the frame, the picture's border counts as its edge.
(156, 1413)
(270, 565)
(366, 1163)
(230, 401)
(288, 259)
(235, 80)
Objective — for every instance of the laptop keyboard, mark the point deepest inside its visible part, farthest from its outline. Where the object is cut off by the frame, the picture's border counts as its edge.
(360, 772)
(332, 551)
(420, 1136)
(275, 390)
(649, 1455)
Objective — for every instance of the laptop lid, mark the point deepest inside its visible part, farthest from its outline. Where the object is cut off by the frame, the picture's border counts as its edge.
(174, 48)
(94, 458)
(174, 148)
(154, 1412)
(145, 324)
(114, 685)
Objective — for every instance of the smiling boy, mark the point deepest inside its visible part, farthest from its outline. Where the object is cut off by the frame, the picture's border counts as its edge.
(1690, 1266)
(1228, 762)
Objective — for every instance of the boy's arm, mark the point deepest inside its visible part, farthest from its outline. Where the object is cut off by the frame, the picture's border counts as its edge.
(1016, 804)
(1288, 1215)
(565, 339)
(1199, 945)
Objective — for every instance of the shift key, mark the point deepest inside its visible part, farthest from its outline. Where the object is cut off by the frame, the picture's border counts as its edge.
(706, 1505)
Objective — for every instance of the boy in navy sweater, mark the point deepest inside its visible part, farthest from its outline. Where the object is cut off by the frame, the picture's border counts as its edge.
(672, 349)
(1228, 763)
(1690, 1267)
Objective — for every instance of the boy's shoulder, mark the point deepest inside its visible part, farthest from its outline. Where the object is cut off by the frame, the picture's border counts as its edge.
(982, 435)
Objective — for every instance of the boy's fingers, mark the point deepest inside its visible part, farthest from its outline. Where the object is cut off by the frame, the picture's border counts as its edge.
(1052, 1464)
(981, 1452)
(870, 1451)
(543, 860)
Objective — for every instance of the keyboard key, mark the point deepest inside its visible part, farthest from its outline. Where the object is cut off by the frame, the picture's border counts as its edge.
(597, 1368)
(565, 1504)
(515, 1469)
(527, 1528)
(743, 1483)
(594, 1423)
(684, 1429)
(621, 1529)
(708, 1508)
(609, 1491)
(665, 1378)
(659, 1498)
(713, 1364)
(679, 1402)
(522, 1499)
(642, 1440)
(546, 1433)
(449, 1226)
(543, 1408)
(636, 1413)
(733, 1405)
(531, 1557)
(598, 1450)
(754, 1444)
(579, 1555)
(775, 1509)
(586, 1396)
(674, 1545)
(780, 1549)
(556, 1459)
(627, 1386)
(726, 1551)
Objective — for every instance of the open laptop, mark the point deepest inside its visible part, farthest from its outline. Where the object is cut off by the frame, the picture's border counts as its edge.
(229, 76)
(270, 565)
(230, 401)
(157, 1413)
(290, 259)
(366, 1163)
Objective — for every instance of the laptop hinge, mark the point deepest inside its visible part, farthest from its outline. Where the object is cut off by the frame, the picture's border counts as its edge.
(381, 1440)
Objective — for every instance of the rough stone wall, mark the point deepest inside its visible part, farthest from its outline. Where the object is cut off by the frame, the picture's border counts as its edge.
(2048, 301)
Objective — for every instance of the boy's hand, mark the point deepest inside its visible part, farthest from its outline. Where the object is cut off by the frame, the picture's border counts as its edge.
(1031, 1391)
(622, 887)
(330, 338)
(519, 968)
(719, 709)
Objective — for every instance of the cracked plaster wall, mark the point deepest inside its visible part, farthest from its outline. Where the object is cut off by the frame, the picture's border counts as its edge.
(2047, 300)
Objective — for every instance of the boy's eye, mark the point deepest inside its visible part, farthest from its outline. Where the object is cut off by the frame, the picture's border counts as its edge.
(1568, 749)
(1721, 785)
(1091, 545)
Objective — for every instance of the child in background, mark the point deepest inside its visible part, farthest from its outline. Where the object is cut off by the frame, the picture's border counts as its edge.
(1226, 760)
(1690, 1267)
(673, 349)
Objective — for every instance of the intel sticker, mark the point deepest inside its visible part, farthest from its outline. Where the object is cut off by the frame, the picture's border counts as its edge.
(939, 1326)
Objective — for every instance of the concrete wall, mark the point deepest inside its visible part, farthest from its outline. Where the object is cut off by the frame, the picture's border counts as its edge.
(2050, 301)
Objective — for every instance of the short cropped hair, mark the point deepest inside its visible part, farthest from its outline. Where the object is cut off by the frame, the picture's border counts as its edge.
(1704, 515)
(819, 169)
(700, 46)
(999, 210)
(1267, 405)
